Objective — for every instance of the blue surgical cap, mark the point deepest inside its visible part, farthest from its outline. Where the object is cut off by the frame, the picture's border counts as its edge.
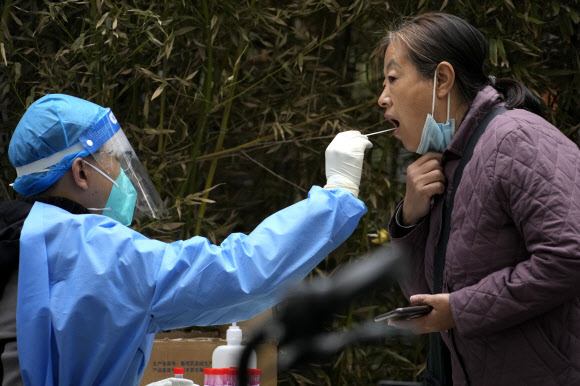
(52, 124)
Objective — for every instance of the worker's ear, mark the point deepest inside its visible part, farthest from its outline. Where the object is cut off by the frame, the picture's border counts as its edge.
(79, 174)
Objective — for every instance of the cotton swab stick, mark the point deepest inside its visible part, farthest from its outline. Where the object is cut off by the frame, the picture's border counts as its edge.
(382, 131)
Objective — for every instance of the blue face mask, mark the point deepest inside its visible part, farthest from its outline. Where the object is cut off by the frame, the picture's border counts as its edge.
(122, 199)
(436, 136)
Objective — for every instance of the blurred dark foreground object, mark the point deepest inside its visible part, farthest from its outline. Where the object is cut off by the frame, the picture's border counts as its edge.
(299, 324)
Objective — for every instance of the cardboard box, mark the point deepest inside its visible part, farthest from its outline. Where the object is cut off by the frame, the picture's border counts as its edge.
(193, 351)
(195, 354)
(192, 354)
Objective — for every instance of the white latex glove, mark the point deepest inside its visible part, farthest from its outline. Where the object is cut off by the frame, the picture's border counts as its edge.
(344, 160)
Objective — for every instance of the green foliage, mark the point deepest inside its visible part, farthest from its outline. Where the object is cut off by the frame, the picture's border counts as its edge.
(230, 105)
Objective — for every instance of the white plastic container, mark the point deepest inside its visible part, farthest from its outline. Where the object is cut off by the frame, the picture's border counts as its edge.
(176, 380)
(229, 355)
(173, 382)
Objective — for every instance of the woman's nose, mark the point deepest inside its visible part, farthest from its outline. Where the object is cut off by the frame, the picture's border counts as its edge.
(384, 100)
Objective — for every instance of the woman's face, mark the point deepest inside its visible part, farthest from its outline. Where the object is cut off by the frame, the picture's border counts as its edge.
(406, 96)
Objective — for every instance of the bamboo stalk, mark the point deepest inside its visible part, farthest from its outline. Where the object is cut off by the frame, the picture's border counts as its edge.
(4, 19)
(283, 65)
(191, 178)
(221, 137)
(160, 126)
(161, 138)
(270, 136)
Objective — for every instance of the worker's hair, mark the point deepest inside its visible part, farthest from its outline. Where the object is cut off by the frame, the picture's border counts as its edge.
(432, 38)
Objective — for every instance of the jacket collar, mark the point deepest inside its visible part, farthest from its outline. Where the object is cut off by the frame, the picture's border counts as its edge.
(485, 100)
(63, 203)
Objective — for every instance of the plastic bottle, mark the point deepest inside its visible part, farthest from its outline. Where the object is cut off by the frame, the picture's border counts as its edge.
(229, 355)
(176, 380)
(216, 377)
(254, 377)
(233, 376)
(178, 372)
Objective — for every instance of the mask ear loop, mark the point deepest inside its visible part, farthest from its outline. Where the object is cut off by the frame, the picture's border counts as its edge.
(448, 98)
(448, 104)
(103, 173)
(434, 87)
(107, 177)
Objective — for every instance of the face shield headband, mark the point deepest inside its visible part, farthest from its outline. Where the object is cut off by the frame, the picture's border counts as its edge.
(88, 144)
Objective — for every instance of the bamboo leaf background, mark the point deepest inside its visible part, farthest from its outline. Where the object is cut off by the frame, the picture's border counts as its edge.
(230, 105)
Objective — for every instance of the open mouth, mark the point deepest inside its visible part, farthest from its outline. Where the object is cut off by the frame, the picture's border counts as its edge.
(392, 120)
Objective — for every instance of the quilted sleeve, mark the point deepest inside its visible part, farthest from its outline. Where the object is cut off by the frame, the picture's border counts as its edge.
(411, 242)
(536, 177)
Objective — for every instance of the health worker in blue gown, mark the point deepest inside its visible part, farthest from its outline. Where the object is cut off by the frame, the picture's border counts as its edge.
(90, 292)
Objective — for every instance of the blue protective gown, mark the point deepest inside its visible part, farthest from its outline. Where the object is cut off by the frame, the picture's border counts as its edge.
(92, 293)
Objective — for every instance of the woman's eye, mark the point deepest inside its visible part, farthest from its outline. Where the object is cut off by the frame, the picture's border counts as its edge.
(391, 79)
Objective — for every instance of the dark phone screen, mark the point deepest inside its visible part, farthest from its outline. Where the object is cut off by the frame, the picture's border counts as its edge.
(405, 313)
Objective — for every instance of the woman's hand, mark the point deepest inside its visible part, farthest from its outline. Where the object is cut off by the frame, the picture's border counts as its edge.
(439, 319)
(424, 179)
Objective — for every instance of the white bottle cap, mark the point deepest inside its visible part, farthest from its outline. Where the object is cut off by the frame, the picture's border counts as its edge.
(234, 335)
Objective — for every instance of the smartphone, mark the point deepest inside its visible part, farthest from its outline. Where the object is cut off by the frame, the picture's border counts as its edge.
(405, 313)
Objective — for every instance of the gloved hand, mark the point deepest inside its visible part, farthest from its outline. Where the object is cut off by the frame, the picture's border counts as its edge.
(344, 160)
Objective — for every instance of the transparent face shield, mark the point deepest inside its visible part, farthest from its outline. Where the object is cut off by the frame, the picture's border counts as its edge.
(117, 155)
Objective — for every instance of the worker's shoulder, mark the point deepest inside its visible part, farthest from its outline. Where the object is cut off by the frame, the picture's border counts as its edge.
(13, 213)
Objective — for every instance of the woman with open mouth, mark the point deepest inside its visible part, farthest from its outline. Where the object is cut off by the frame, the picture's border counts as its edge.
(490, 221)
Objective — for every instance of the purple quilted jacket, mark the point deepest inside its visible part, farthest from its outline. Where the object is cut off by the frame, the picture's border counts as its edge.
(513, 257)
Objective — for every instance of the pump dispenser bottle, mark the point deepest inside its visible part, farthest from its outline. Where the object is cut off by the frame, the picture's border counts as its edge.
(229, 355)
